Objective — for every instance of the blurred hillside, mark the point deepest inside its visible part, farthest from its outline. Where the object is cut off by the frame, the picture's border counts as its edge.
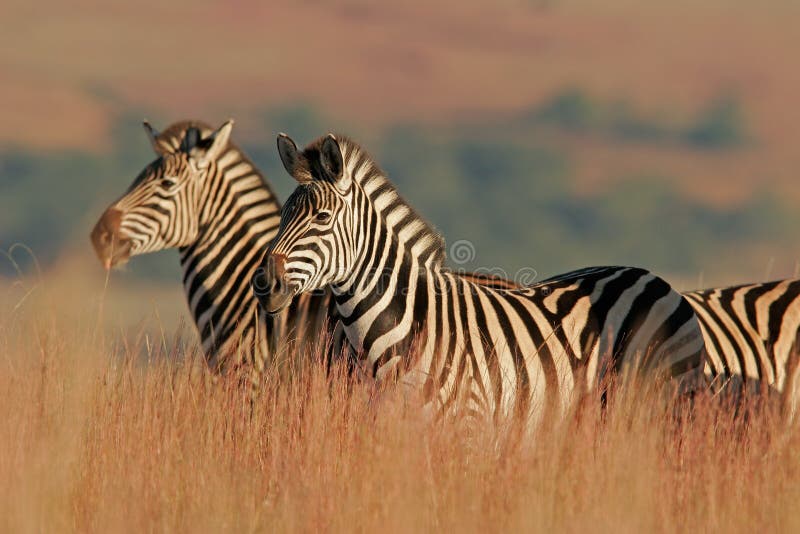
(551, 134)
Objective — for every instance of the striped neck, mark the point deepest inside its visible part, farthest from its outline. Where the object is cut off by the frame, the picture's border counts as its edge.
(413, 234)
(392, 272)
(239, 216)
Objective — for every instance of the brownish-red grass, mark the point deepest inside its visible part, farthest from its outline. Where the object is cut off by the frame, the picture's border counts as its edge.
(102, 433)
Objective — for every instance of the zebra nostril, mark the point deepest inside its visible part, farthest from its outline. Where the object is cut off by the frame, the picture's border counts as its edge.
(278, 286)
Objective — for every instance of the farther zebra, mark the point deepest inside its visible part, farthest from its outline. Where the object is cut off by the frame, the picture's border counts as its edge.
(204, 196)
(502, 352)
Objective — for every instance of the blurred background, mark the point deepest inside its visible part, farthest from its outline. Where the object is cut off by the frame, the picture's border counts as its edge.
(552, 134)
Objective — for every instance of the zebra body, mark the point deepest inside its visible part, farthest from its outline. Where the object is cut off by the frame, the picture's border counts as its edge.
(203, 196)
(501, 351)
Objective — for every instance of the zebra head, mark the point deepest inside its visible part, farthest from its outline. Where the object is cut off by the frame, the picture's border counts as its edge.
(162, 208)
(316, 240)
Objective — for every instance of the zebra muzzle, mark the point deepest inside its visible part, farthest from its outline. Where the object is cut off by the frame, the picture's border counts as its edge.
(111, 246)
(270, 286)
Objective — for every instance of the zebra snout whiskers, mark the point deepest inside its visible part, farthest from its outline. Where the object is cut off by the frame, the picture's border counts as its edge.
(109, 243)
(271, 285)
(270, 277)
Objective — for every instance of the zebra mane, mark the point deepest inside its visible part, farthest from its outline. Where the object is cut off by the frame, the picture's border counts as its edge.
(172, 138)
(366, 173)
(178, 136)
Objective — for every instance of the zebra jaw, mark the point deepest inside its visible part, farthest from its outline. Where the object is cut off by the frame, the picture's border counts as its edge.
(114, 255)
(272, 293)
(276, 300)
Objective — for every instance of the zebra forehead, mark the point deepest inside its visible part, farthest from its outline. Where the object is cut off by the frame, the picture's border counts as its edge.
(310, 196)
(169, 165)
(153, 170)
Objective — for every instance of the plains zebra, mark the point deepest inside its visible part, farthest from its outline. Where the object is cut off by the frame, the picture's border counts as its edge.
(204, 196)
(503, 352)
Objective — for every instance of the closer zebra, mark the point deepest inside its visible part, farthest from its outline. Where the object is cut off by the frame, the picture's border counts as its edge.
(502, 352)
(204, 196)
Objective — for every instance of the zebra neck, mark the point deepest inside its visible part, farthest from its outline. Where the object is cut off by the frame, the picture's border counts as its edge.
(241, 218)
(384, 305)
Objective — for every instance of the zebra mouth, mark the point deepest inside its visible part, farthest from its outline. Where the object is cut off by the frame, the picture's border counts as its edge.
(276, 299)
(273, 295)
(111, 248)
(115, 254)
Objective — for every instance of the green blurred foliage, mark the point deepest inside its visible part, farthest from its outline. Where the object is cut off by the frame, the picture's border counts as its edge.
(496, 183)
(516, 204)
(719, 125)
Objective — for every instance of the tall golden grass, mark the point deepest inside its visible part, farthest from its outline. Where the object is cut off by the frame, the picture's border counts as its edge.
(105, 431)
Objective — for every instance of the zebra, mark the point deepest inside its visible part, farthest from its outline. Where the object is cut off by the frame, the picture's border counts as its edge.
(495, 352)
(203, 196)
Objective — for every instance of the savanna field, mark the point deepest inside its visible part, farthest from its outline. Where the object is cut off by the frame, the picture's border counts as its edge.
(114, 426)
(537, 136)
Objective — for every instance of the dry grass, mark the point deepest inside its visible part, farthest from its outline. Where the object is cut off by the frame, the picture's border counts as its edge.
(124, 433)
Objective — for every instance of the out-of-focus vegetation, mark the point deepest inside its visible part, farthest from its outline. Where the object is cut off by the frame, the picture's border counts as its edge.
(719, 125)
(506, 183)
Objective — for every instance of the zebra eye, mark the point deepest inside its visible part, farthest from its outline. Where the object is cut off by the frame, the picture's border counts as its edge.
(167, 183)
(323, 216)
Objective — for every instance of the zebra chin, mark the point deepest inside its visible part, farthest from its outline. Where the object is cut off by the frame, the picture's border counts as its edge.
(112, 248)
(276, 301)
(272, 297)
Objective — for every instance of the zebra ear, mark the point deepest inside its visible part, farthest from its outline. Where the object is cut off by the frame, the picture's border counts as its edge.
(330, 156)
(290, 156)
(153, 134)
(209, 149)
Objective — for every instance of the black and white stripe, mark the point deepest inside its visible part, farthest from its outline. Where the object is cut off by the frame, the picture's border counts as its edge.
(751, 333)
(203, 196)
(500, 351)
